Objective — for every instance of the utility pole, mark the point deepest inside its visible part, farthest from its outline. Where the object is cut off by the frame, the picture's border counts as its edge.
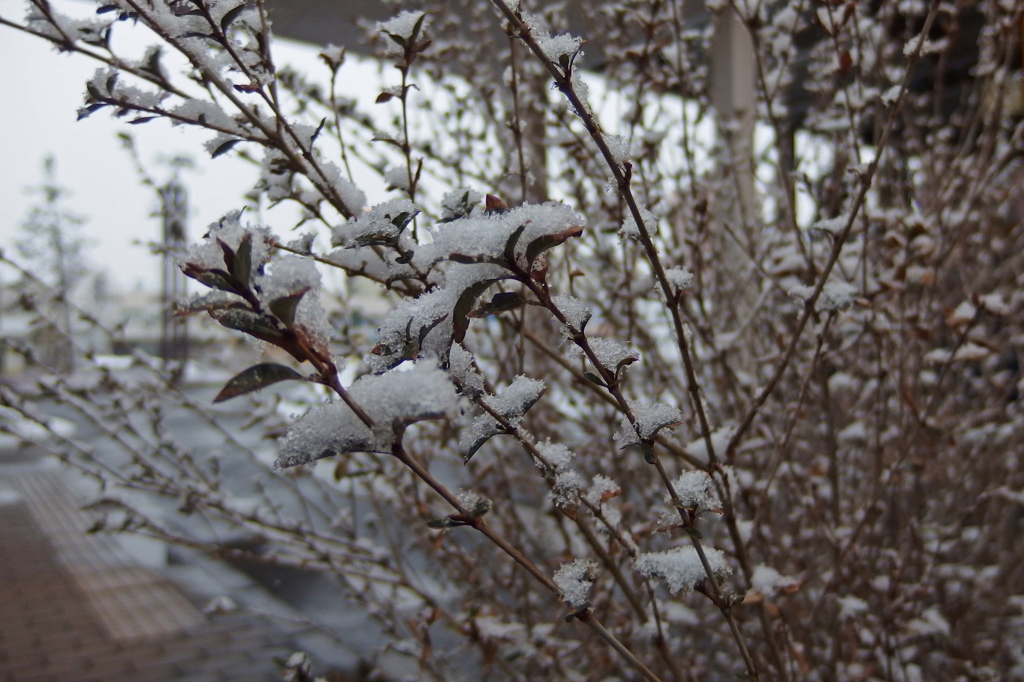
(174, 330)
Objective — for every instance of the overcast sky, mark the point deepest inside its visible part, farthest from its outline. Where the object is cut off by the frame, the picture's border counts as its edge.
(40, 92)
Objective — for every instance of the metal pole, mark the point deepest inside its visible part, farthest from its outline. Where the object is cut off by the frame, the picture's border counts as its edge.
(174, 332)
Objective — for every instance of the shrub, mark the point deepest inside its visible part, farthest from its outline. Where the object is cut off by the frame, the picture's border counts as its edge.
(742, 407)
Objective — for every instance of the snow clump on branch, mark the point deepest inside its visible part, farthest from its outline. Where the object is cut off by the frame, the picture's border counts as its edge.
(681, 568)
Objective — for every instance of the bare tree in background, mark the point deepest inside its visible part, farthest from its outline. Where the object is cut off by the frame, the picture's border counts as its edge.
(50, 243)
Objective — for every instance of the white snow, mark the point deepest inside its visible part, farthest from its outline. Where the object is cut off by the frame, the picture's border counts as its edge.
(462, 370)
(834, 226)
(768, 581)
(719, 441)
(679, 276)
(566, 489)
(517, 397)
(850, 606)
(459, 203)
(574, 582)
(994, 304)
(969, 352)
(208, 254)
(392, 400)
(402, 26)
(603, 488)
(557, 455)
(649, 420)
(612, 354)
(397, 177)
(629, 226)
(576, 313)
(962, 314)
(619, 148)
(475, 503)
(557, 47)
(382, 224)
(681, 568)
(512, 403)
(696, 491)
(835, 295)
(931, 622)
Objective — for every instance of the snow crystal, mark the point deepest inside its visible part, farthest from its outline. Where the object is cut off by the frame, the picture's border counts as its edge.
(574, 582)
(576, 313)
(582, 90)
(611, 354)
(565, 492)
(681, 568)
(275, 184)
(391, 400)
(287, 276)
(474, 503)
(963, 314)
(834, 226)
(206, 112)
(351, 196)
(512, 404)
(766, 580)
(105, 83)
(485, 236)
(303, 243)
(892, 95)
(619, 148)
(215, 298)
(835, 295)
(931, 622)
(403, 24)
(425, 325)
(681, 277)
(483, 428)
(397, 177)
(58, 26)
(459, 203)
(613, 517)
(927, 46)
(719, 441)
(557, 455)
(517, 397)
(649, 420)
(969, 352)
(208, 254)
(602, 489)
(652, 418)
(629, 226)
(381, 225)
(461, 367)
(850, 606)
(216, 145)
(855, 433)
(994, 304)
(557, 47)
(696, 491)
(369, 263)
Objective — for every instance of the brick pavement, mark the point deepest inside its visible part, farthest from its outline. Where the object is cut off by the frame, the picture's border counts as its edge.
(74, 609)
